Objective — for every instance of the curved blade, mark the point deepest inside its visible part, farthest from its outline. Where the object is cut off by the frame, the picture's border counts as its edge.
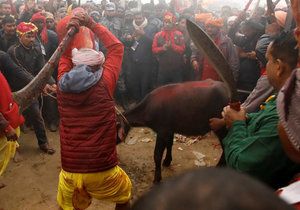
(32, 90)
(214, 55)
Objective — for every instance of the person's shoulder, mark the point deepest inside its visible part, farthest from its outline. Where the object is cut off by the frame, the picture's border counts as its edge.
(160, 33)
(155, 21)
(51, 34)
(225, 39)
(12, 48)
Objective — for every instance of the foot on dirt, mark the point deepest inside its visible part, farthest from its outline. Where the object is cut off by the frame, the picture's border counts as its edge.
(167, 163)
(47, 149)
(24, 129)
(17, 158)
(52, 127)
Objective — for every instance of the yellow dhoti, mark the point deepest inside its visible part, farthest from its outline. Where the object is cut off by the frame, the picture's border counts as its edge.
(77, 189)
(7, 150)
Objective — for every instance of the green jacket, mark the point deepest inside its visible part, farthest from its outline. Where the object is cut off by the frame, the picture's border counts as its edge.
(254, 147)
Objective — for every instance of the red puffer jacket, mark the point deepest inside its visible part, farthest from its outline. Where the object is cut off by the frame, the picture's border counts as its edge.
(87, 130)
(88, 123)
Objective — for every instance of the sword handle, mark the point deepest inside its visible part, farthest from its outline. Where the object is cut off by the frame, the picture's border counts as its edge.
(235, 105)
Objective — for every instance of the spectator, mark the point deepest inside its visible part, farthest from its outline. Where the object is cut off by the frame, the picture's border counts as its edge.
(168, 46)
(201, 64)
(210, 188)
(31, 60)
(9, 37)
(252, 144)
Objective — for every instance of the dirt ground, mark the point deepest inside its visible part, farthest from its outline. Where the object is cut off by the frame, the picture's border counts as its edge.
(32, 183)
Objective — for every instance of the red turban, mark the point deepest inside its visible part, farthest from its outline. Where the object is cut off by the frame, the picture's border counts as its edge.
(40, 16)
(170, 16)
(217, 22)
(203, 17)
(24, 28)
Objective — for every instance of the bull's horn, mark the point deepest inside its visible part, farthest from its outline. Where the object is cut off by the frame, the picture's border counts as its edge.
(32, 90)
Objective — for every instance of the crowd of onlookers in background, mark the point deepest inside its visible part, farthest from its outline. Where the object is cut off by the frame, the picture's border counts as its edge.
(258, 47)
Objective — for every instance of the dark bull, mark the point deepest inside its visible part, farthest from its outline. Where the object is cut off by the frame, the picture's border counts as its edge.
(178, 108)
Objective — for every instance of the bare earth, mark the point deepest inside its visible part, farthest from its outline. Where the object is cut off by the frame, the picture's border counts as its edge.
(32, 183)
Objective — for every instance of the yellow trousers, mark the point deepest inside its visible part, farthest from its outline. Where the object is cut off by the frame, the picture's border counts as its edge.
(76, 190)
(7, 150)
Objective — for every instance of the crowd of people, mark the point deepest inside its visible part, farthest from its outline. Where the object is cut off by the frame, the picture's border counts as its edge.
(123, 53)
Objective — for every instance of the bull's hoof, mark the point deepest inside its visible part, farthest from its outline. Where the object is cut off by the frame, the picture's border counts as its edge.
(157, 179)
(156, 182)
(167, 163)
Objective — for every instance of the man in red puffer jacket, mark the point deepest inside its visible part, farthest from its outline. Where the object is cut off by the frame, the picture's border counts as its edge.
(88, 123)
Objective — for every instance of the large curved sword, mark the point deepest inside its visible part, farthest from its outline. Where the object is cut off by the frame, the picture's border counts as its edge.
(32, 90)
(215, 57)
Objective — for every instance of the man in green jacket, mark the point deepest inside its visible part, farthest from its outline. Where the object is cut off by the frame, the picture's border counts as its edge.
(252, 143)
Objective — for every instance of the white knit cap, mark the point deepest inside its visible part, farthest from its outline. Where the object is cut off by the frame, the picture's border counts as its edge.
(87, 56)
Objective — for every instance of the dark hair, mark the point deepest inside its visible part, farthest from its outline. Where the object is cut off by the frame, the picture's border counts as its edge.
(211, 188)
(147, 7)
(8, 19)
(132, 4)
(259, 28)
(136, 12)
(261, 49)
(284, 48)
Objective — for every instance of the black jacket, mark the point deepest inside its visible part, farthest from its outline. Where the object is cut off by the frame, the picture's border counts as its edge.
(6, 43)
(31, 60)
(17, 78)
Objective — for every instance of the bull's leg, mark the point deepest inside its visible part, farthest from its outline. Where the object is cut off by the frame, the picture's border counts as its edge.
(168, 158)
(158, 153)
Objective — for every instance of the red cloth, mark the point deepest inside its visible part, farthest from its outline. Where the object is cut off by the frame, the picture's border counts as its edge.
(170, 16)
(208, 72)
(176, 38)
(39, 16)
(24, 28)
(217, 22)
(88, 121)
(83, 39)
(8, 108)
(263, 71)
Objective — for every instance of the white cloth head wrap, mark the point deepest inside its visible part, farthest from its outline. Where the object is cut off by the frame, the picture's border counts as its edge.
(87, 56)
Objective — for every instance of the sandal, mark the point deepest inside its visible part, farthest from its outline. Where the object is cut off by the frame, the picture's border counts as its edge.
(47, 149)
